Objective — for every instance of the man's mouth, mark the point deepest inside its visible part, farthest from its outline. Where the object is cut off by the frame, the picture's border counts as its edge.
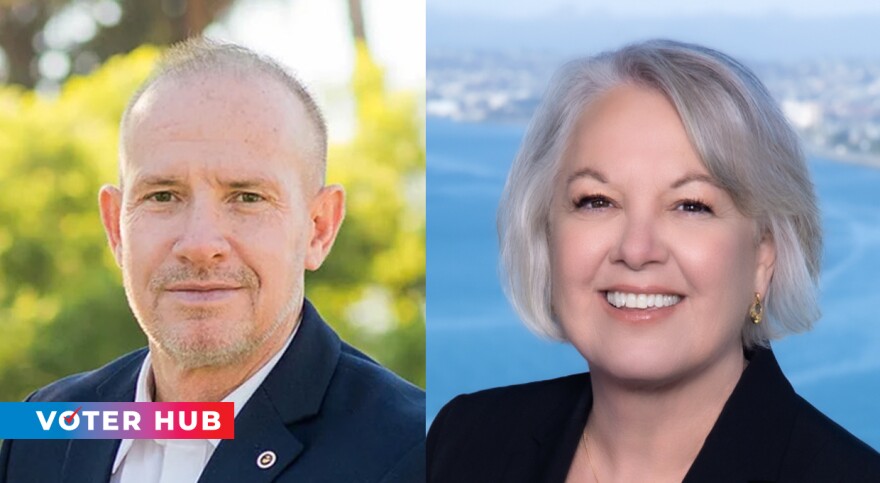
(202, 292)
(201, 286)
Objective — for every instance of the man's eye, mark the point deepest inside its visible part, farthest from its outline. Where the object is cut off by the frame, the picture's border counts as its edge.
(161, 197)
(248, 197)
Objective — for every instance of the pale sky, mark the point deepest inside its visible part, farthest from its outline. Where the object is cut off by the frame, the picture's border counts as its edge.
(664, 7)
(313, 38)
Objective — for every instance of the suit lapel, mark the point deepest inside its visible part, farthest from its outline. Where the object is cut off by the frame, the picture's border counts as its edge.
(749, 440)
(258, 428)
(293, 391)
(91, 460)
(545, 451)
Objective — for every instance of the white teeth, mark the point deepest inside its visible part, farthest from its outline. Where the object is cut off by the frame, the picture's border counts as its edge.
(641, 301)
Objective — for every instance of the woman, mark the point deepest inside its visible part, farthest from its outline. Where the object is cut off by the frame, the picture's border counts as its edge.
(660, 217)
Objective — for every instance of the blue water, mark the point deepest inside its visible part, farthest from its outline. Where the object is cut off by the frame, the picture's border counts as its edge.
(474, 340)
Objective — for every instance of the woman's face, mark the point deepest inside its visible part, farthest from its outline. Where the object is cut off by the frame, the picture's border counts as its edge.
(654, 268)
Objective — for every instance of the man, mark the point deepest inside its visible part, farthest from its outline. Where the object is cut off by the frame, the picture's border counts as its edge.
(221, 208)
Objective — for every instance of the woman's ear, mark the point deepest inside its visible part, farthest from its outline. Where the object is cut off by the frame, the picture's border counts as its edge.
(765, 263)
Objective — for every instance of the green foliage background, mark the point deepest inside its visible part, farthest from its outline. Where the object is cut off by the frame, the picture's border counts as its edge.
(62, 307)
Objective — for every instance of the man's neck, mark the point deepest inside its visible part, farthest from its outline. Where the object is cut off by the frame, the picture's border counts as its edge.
(173, 383)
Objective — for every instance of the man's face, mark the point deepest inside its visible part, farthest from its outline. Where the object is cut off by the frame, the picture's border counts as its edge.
(218, 216)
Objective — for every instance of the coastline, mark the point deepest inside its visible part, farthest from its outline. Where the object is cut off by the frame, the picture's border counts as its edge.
(872, 161)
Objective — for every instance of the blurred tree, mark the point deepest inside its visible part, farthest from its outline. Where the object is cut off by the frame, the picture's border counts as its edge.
(68, 37)
(19, 24)
(374, 281)
(356, 18)
(61, 305)
(62, 309)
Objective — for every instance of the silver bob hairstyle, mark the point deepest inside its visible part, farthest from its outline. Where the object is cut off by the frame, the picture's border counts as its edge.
(742, 138)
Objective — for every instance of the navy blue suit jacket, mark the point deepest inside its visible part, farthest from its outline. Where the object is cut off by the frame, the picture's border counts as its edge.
(330, 413)
(530, 432)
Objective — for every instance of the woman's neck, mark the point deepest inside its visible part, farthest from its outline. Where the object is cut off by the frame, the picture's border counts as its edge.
(653, 433)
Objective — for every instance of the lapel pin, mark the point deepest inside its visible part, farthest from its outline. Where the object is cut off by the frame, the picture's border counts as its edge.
(266, 459)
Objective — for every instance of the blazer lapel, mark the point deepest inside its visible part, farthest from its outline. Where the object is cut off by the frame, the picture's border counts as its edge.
(91, 460)
(293, 391)
(258, 428)
(545, 451)
(750, 437)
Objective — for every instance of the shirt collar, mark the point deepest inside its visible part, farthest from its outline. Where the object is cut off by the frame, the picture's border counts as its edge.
(239, 397)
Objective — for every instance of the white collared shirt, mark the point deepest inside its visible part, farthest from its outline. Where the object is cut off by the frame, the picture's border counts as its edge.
(177, 460)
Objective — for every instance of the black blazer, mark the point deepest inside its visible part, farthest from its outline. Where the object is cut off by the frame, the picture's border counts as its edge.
(530, 432)
(329, 413)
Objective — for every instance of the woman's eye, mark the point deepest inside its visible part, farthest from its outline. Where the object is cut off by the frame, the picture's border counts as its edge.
(248, 197)
(161, 197)
(694, 206)
(592, 202)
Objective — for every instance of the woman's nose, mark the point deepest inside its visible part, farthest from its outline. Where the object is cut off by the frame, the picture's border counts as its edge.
(640, 243)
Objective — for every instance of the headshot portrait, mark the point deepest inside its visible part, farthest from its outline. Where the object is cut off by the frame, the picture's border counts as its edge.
(660, 217)
(220, 206)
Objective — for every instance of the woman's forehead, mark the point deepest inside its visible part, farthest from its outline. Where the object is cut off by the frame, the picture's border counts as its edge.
(631, 130)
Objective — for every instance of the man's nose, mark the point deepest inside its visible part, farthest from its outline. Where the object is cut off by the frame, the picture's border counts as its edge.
(640, 242)
(202, 239)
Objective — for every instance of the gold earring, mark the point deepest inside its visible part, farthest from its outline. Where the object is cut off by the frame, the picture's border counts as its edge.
(756, 311)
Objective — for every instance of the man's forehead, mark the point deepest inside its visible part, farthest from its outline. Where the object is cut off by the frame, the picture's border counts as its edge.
(222, 108)
(185, 96)
(214, 162)
(234, 178)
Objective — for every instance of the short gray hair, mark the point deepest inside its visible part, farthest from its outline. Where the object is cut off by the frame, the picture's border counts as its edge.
(742, 138)
(199, 55)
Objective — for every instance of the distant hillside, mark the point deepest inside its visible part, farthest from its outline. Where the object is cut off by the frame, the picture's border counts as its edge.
(767, 38)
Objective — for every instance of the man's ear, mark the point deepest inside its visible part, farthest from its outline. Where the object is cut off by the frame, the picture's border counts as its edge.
(110, 202)
(326, 213)
(766, 263)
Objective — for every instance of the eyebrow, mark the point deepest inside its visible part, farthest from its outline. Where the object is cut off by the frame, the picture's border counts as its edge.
(587, 173)
(166, 181)
(247, 183)
(694, 177)
(688, 178)
(154, 180)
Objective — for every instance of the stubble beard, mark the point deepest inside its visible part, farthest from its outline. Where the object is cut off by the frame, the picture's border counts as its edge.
(191, 350)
